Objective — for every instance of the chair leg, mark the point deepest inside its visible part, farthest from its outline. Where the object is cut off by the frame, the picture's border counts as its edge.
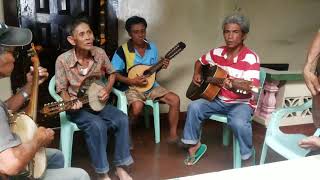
(66, 140)
(156, 118)
(236, 153)
(264, 153)
(226, 134)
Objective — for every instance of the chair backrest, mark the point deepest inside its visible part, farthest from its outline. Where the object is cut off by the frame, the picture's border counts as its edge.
(262, 78)
(52, 89)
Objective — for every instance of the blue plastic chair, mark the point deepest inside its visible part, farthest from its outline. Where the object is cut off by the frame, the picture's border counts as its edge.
(68, 128)
(227, 130)
(284, 144)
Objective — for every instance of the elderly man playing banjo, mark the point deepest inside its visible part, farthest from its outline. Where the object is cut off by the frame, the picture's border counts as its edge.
(15, 154)
(73, 68)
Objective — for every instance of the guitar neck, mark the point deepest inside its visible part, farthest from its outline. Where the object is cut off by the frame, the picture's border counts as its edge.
(215, 81)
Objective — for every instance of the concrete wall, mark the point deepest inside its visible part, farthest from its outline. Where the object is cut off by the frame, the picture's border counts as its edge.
(280, 31)
(5, 90)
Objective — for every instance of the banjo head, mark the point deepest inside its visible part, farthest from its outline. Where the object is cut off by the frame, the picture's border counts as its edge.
(92, 92)
(26, 128)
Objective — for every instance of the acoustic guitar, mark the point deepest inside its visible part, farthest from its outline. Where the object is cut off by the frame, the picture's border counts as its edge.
(149, 72)
(213, 78)
(87, 95)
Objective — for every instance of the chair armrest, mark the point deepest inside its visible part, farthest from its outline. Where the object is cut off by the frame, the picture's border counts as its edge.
(122, 100)
(279, 114)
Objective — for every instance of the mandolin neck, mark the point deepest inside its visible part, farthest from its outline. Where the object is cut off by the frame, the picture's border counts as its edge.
(170, 54)
(153, 69)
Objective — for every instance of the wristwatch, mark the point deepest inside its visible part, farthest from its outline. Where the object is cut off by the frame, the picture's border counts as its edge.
(24, 94)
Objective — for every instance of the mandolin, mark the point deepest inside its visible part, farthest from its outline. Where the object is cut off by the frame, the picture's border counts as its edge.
(150, 71)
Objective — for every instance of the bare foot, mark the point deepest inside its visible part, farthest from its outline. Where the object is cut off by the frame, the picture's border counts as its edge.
(122, 174)
(103, 177)
(192, 151)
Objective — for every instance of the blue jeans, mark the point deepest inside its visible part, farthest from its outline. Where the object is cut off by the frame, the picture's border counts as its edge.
(238, 115)
(56, 171)
(95, 127)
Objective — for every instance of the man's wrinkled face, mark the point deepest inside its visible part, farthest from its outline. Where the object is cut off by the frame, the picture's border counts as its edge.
(138, 33)
(7, 62)
(82, 37)
(233, 36)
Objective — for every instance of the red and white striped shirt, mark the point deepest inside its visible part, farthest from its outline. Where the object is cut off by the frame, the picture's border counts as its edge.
(246, 65)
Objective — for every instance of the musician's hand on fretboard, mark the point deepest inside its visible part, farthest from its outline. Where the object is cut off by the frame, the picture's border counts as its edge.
(77, 104)
(165, 63)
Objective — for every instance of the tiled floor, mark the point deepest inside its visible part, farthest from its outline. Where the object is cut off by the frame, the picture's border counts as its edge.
(162, 161)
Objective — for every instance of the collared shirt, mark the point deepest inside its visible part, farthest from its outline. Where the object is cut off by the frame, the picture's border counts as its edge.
(68, 76)
(149, 58)
(246, 65)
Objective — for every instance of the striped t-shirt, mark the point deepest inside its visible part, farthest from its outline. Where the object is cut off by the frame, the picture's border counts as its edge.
(246, 65)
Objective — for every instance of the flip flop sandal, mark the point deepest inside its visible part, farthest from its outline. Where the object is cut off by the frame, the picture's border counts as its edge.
(191, 160)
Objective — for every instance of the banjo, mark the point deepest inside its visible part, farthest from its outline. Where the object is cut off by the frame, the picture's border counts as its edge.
(24, 123)
(150, 71)
(87, 95)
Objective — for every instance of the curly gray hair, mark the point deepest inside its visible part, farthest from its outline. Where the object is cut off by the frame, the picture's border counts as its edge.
(239, 19)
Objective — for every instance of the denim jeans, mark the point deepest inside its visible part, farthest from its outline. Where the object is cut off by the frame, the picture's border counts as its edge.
(95, 127)
(55, 170)
(238, 115)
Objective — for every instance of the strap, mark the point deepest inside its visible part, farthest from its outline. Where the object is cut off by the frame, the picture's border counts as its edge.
(130, 56)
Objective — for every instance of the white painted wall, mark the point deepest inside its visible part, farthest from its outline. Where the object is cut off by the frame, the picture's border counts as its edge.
(5, 90)
(280, 31)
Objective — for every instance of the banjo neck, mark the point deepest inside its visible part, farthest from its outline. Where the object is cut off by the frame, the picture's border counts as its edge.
(57, 107)
(31, 109)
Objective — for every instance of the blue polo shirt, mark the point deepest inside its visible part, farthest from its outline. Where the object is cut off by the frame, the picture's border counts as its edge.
(119, 60)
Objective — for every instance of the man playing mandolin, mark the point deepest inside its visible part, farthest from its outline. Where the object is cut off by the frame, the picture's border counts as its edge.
(72, 69)
(138, 51)
(240, 63)
(15, 155)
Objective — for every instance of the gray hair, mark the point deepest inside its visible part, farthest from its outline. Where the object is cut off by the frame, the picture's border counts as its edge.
(239, 19)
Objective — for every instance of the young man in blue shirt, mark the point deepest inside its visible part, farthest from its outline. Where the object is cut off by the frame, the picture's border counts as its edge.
(139, 51)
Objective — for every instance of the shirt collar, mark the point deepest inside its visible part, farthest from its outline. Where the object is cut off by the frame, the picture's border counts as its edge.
(74, 59)
(235, 59)
(131, 48)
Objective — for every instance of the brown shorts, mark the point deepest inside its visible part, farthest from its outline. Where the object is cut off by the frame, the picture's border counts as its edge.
(156, 93)
(316, 110)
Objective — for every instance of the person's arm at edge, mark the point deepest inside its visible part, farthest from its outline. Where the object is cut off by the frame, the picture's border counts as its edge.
(311, 64)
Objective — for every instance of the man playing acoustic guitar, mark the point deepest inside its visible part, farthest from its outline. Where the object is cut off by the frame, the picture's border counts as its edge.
(72, 69)
(240, 63)
(15, 154)
(139, 51)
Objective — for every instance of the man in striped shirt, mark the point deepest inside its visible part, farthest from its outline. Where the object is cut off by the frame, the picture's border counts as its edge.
(240, 63)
